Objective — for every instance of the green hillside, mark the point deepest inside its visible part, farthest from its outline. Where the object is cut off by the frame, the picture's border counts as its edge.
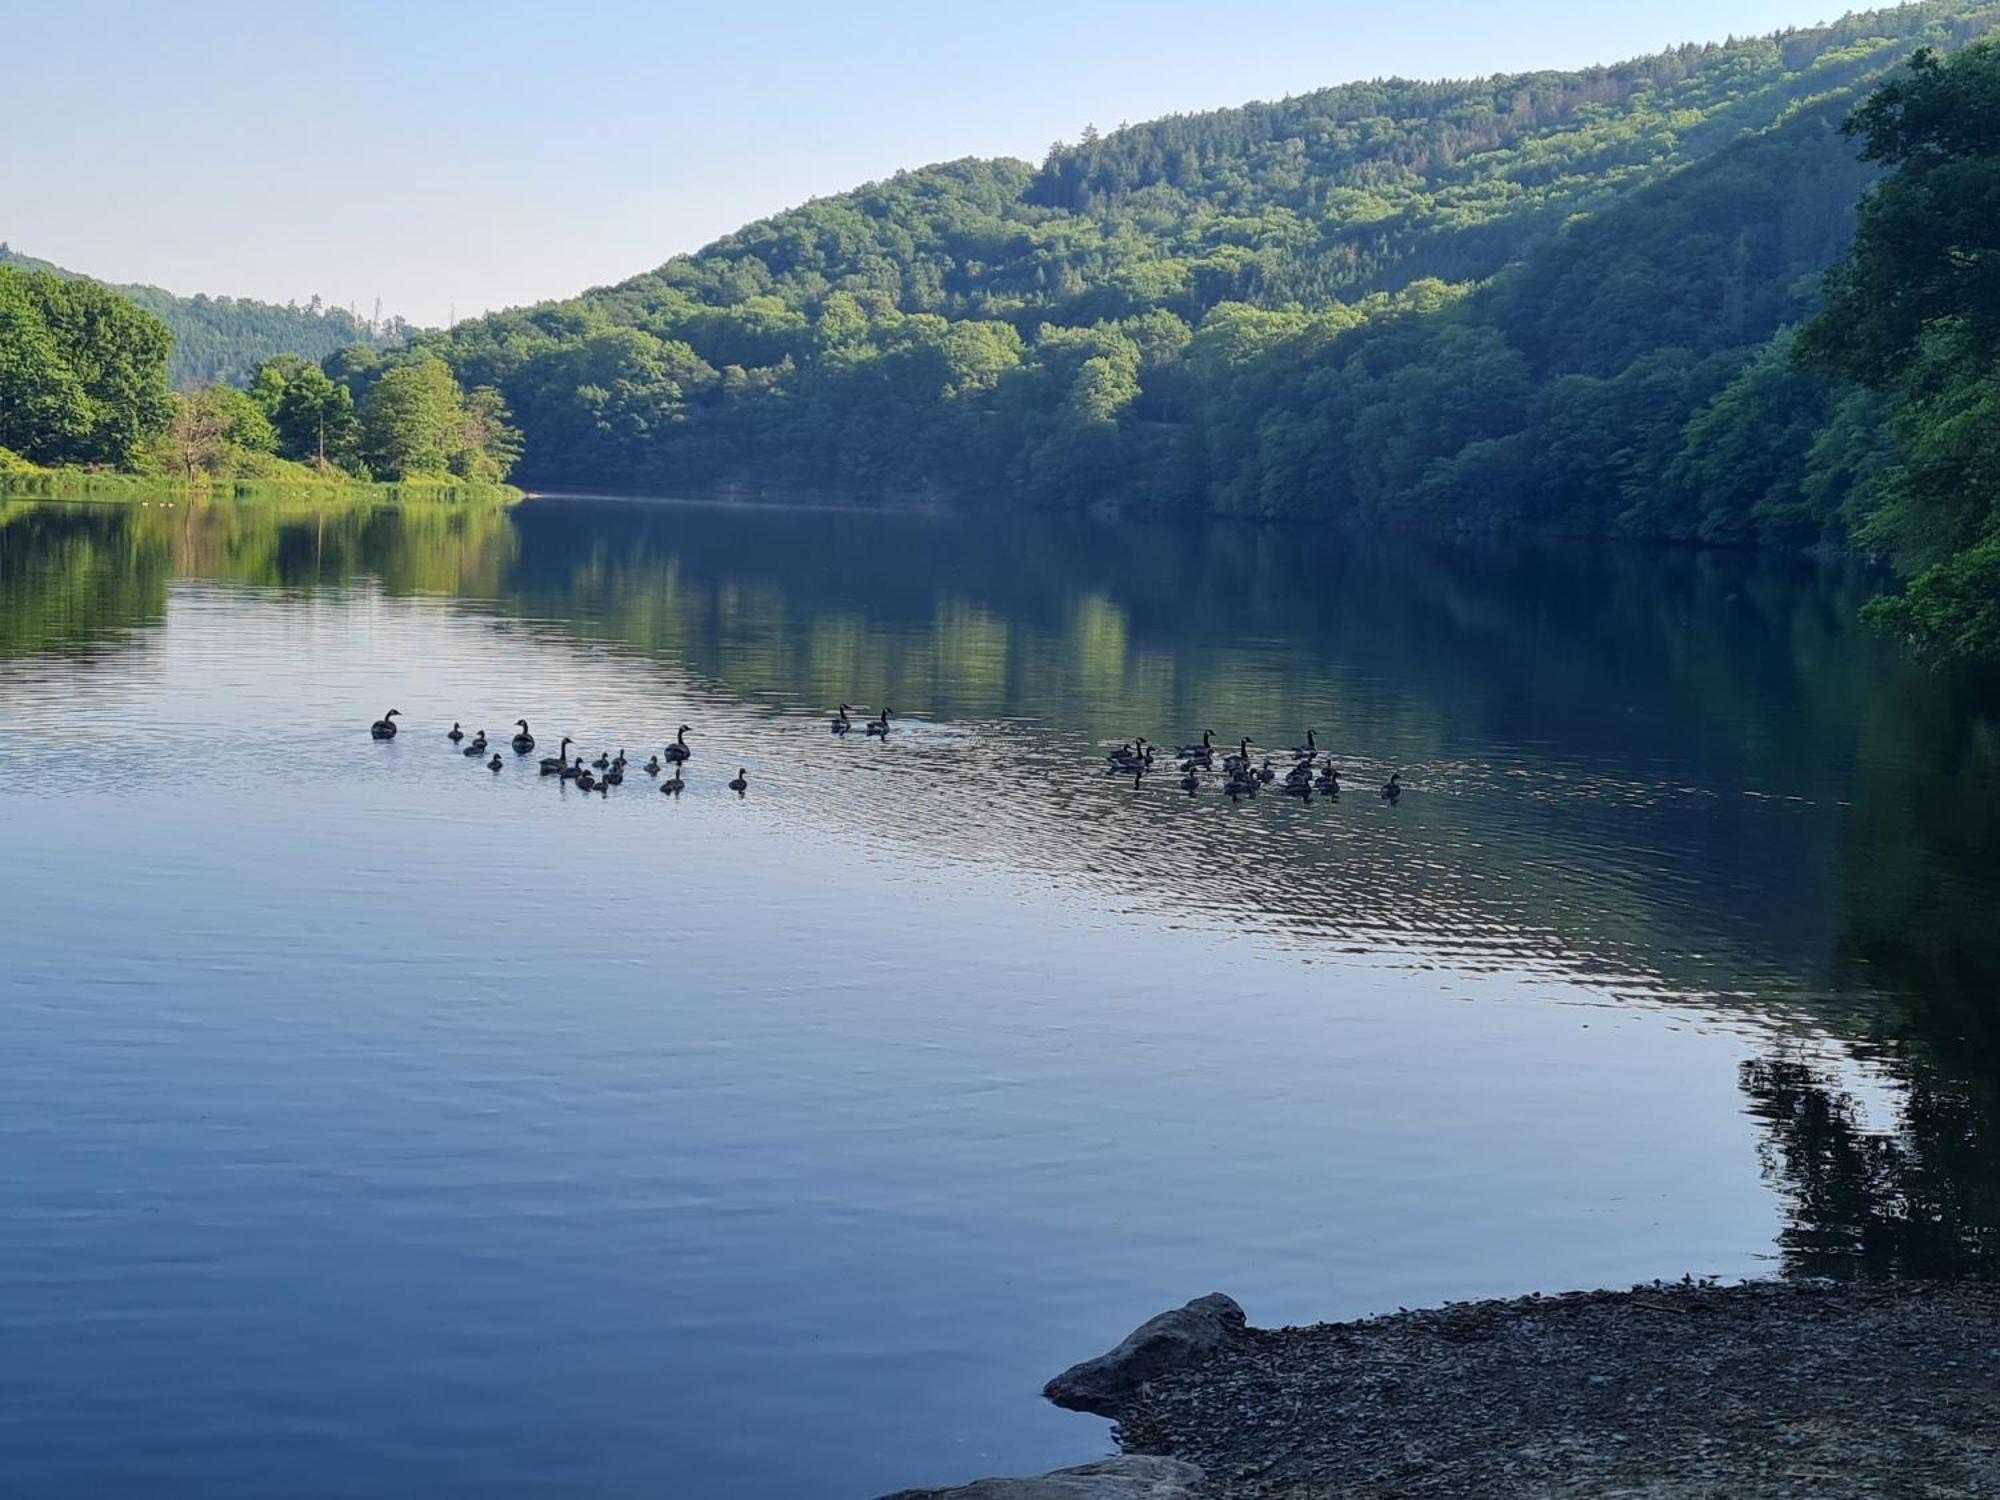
(1546, 298)
(224, 339)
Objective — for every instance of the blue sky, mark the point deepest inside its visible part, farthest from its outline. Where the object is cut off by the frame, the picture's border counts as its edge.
(442, 155)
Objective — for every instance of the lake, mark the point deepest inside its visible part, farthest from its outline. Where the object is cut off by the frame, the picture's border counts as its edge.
(378, 1124)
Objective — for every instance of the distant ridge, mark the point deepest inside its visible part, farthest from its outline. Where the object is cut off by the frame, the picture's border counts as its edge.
(224, 339)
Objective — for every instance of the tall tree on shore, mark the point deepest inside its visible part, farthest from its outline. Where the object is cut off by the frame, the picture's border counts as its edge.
(1914, 310)
(83, 373)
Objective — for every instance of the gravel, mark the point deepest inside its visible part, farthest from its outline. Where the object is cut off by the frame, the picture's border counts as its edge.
(1666, 1392)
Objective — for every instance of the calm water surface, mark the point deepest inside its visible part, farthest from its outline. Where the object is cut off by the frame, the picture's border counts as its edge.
(376, 1124)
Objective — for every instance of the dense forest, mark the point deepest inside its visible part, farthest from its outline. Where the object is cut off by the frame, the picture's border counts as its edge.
(222, 340)
(1566, 301)
(83, 384)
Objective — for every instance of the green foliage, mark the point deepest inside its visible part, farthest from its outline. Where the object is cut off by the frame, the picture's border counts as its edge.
(1547, 300)
(82, 371)
(223, 339)
(312, 417)
(1914, 312)
(416, 422)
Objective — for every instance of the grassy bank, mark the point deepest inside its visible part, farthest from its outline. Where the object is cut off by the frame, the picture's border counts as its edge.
(287, 482)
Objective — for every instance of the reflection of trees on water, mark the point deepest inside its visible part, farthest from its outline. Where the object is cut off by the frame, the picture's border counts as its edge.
(1913, 1199)
(1632, 694)
(73, 574)
(1920, 865)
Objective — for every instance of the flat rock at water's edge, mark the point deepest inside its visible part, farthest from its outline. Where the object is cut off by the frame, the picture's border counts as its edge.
(1173, 1341)
(1135, 1477)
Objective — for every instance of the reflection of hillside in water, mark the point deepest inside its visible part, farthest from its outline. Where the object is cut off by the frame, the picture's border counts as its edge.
(1664, 776)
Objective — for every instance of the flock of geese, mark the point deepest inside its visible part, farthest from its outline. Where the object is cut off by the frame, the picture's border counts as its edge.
(1309, 775)
(608, 770)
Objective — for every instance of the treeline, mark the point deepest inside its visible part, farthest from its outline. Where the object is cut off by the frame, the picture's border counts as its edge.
(83, 384)
(222, 340)
(1564, 301)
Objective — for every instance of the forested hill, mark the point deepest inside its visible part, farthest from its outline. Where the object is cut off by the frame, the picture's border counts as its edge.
(224, 339)
(1558, 299)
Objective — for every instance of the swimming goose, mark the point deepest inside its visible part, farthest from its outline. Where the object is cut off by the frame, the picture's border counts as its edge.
(1392, 789)
(1264, 772)
(1301, 789)
(603, 761)
(477, 747)
(557, 764)
(1240, 760)
(880, 726)
(614, 775)
(619, 760)
(585, 782)
(454, 734)
(1190, 783)
(678, 751)
(1309, 749)
(742, 782)
(384, 728)
(574, 771)
(1204, 751)
(496, 763)
(673, 785)
(1329, 780)
(841, 723)
(524, 741)
(653, 766)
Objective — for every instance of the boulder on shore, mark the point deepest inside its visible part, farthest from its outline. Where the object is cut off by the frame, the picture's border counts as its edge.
(1171, 1342)
(1134, 1477)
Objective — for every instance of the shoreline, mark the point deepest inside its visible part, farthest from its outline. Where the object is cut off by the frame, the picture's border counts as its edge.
(1675, 1391)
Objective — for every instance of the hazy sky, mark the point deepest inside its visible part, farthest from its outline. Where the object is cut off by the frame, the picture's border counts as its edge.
(474, 156)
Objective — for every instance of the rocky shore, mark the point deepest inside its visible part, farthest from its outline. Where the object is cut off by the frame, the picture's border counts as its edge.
(1682, 1391)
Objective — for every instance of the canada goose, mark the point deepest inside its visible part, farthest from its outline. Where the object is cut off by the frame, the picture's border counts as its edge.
(1191, 783)
(496, 763)
(574, 771)
(619, 760)
(653, 766)
(585, 782)
(477, 747)
(603, 760)
(1329, 780)
(1302, 789)
(1299, 774)
(384, 728)
(678, 751)
(841, 723)
(1240, 760)
(673, 785)
(524, 741)
(1137, 756)
(880, 726)
(454, 734)
(1243, 785)
(557, 764)
(1264, 772)
(1202, 751)
(1309, 749)
(742, 782)
(615, 775)
(1392, 789)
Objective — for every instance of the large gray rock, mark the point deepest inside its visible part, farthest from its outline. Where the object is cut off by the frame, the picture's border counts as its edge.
(1172, 1341)
(1129, 1478)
